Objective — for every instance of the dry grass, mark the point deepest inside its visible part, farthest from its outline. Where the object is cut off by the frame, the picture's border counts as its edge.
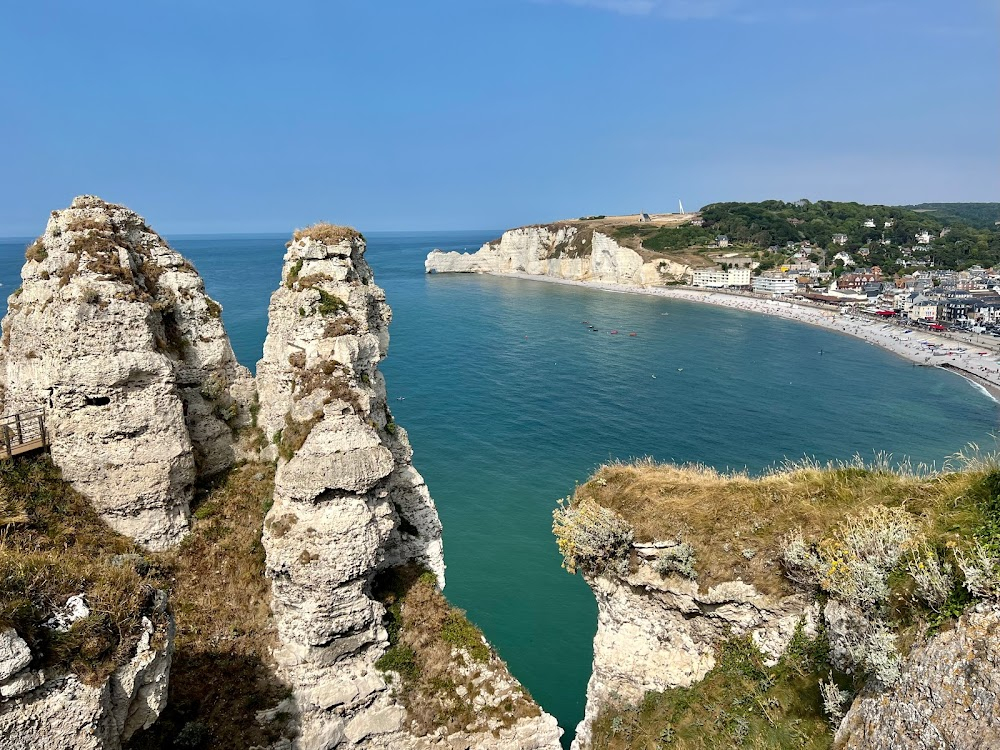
(329, 376)
(53, 546)
(737, 524)
(435, 650)
(36, 251)
(221, 673)
(328, 234)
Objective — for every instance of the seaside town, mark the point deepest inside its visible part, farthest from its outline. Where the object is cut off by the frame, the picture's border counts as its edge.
(935, 298)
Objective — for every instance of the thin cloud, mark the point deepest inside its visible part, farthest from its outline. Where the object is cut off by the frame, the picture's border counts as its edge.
(679, 10)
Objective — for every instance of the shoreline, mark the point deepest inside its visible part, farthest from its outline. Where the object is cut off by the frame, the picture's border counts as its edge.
(976, 363)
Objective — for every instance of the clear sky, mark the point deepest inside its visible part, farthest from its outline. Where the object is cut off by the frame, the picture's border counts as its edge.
(443, 114)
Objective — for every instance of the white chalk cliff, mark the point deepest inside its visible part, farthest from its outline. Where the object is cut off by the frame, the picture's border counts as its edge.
(656, 632)
(46, 708)
(113, 335)
(562, 251)
(347, 504)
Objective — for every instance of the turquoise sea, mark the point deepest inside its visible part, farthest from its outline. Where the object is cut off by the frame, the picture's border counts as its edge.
(510, 400)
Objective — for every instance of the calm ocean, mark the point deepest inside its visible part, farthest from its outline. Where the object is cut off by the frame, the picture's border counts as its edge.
(509, 401)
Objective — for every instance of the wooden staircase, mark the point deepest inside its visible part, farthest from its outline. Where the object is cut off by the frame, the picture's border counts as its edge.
(22, 433)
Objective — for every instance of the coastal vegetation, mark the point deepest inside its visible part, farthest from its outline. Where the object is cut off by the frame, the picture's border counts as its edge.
(328, 234)
(54, 546)
(979, 215)
(968, 239)
(222, 674)
(899, 552)
(741, 702)
(445, 673)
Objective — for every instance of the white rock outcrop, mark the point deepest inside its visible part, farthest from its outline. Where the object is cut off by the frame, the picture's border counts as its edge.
(658, 632)
(562, 251)
(113, 335)
(40, 709)
(948, 695)
(347, 502)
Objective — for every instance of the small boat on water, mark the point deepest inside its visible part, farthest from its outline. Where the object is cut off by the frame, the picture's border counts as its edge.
(613, 333)
(633, 334)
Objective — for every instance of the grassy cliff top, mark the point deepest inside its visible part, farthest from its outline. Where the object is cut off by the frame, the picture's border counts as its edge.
(328, 234)
(739, 525)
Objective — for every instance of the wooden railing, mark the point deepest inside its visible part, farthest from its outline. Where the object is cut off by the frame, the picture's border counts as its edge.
(20, 433)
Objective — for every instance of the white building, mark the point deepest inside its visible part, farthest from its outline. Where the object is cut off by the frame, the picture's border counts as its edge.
(869, 223)
(845, 257)
(775, 284)
(840, 239)
(722, 241)
(923, 238)
(716, 278)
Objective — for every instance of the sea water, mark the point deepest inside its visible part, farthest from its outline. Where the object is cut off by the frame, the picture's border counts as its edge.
(510, 400)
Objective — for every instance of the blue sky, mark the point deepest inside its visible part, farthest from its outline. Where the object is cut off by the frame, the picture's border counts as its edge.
(446, 114)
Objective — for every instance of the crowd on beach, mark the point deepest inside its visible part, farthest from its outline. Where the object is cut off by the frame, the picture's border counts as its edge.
(975, 361)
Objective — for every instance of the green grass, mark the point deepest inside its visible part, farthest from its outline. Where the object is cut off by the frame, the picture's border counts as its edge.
(741, 703)
(330, 304)
(424, 632)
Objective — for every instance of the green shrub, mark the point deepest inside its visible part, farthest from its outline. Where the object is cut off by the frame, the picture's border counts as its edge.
(330, 303)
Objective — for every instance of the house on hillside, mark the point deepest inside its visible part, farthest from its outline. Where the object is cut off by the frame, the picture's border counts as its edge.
(840, 239)
(722, 240)
(644, 217)
(869, 223)
(845, 258)
(923, 237)
(888, 224)
(697, 222)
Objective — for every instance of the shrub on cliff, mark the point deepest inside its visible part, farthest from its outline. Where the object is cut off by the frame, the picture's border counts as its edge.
(592, 538)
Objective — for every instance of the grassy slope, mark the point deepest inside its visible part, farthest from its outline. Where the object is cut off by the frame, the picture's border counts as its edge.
(221, 674)
(742, 703)
(442, 660)
(730, 513)
(980, 215)
(53, 546)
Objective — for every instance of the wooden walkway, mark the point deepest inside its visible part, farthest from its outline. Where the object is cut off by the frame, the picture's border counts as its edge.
(21, 433)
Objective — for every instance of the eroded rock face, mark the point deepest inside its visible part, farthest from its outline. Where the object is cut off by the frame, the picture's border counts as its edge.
(559, 251)
(947, 697)
(658, 632)
(113, 335)
(347, 501)
(41, 710)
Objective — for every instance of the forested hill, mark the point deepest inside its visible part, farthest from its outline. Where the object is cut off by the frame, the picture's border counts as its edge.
(980, 215)
(884, 231)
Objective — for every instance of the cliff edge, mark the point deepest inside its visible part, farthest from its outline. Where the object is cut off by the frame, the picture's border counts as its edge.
(566, 250)
(843, 606)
